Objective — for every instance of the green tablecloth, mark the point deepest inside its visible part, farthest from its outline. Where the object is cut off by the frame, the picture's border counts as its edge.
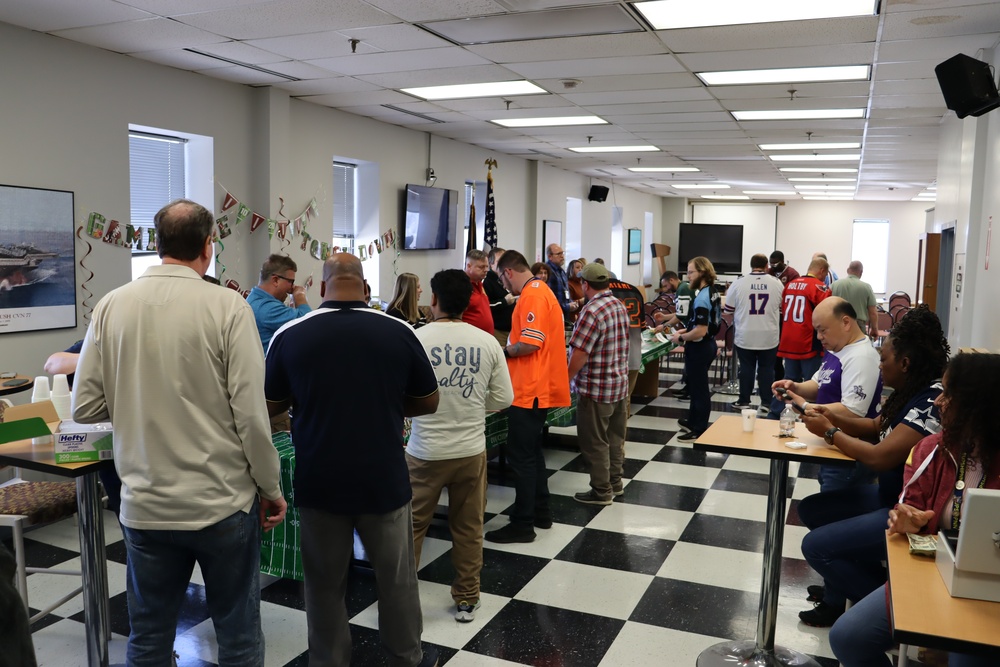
(653, 349)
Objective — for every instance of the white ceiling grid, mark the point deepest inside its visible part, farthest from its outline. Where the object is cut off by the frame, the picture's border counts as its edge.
(595, 57)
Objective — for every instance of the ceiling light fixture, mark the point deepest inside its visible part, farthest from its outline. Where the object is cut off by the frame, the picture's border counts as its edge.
(828, 198)
(725, 197)
(468, 90)
(799, 114)
(819, 170)
(552, 121)
(825, 187)
(672, 14)
(614, 149)
(816, 157)
(667, 170)
(699, 186)
(773, 193)
(786, 75)
(808, 146)
(821, 180)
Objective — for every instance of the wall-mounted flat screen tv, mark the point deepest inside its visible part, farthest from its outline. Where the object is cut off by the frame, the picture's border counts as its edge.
(722, 244)
(430, 220)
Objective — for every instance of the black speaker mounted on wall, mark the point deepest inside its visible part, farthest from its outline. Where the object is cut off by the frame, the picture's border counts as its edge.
(967, 85)
(597, 193)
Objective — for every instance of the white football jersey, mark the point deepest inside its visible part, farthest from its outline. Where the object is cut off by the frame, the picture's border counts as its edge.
(755, 301)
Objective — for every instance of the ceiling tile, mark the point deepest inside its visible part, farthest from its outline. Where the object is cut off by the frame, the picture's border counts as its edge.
(241, 75)
(288, 17)
(818, 56)
(910, 87)
(242, 52)
(563, 48)
(359, 98)
(933, 48)
(298, 69)
(440, 77)
(658, 118)
(944, 22)
(802, 90)
(653, 107)
(312, 46)
(144, 35)
(589, 67)
(514, 27)
(340, 84)
(927, 101)
(913, 69)
(397, 37)
(637, 96)
(178, 7)
(775, 35)
(50, 15)
(600, 84)
(400, 61)
(430, 10)
(499, 104)
(179, 58)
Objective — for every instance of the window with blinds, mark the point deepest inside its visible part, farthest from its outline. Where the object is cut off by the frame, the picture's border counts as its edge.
(156, 174)
(343, 204)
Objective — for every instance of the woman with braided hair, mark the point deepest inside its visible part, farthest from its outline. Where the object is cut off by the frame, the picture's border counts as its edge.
(846, 542)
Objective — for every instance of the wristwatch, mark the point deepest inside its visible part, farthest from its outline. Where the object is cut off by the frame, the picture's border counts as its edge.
(830, 432)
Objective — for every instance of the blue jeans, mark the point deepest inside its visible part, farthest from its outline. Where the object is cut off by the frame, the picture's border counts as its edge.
(160, 563)
(846, 541)
(698, 359)
(524, 455)
(761, 361)
(796, 370)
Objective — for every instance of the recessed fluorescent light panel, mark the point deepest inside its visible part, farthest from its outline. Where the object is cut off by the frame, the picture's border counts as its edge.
(819, 170)
(552, 121)
(772, 193)
(699, 186)
(821, 180)
(799, 114)
(810, 146)
(786, 75)
(668, 170)
(825, 187)
(725, 197)
(828, 198)
(465, 90)
(814, 157)
(672, 14)
(614, 149)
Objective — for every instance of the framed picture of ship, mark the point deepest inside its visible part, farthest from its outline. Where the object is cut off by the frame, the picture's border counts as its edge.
(37, 263)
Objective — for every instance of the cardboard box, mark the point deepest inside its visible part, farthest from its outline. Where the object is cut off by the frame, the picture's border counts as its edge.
(71, 442)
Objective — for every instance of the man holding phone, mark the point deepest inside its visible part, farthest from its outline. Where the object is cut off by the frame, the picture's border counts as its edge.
(849, 381)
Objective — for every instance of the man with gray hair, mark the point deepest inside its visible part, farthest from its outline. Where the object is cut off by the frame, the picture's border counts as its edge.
(860, 295)
(176, 365)
(478, 313)
(277, 281)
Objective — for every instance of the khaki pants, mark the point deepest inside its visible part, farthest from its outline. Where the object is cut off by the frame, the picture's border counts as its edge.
(501, 336)
(465, 479)
(600, 429)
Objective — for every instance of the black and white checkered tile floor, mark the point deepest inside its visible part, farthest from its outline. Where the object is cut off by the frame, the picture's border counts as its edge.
(670, 568)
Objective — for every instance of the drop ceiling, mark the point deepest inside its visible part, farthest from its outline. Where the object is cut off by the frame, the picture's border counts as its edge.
(595, 57)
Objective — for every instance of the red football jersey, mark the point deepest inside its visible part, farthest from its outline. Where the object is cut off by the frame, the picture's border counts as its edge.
(798, 339)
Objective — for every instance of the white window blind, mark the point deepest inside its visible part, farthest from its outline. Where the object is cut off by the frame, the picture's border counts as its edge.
(156, 174)
(343, 201)
(870, 246)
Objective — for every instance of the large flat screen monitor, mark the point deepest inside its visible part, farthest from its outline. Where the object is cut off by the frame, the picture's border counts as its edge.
(430, 220)
(722, 244)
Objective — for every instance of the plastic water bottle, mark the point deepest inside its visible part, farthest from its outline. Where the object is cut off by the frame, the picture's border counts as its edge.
(786, 424)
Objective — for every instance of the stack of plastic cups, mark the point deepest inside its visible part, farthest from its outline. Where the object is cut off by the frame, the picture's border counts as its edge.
(39, 394)
(60, 397)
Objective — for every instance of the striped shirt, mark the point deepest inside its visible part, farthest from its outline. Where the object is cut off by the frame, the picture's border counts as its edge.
(602, 332)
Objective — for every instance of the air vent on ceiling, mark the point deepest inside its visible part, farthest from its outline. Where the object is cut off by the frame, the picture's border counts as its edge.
(242, 64)
(412, 113)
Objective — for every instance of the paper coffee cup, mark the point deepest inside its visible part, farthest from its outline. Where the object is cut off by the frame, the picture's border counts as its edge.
(749, 419)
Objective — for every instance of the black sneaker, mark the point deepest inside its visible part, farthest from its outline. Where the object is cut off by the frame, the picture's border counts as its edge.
(591, 498)
(684, 423)
(430, 658)
(510, 534)
(543, 522)
(682, 396)
(815, 592)
(739, 406)
(823, 615)
(690, 436)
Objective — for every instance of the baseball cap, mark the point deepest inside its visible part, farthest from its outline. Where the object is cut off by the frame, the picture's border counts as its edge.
(595, 273)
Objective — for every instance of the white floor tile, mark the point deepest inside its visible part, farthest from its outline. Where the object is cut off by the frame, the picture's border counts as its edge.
(563, 430)
(797, 636)
(791, 545)
(805, 487)
(440, 626)
(748, 464)
(548, 543)
(63, 644)
(557, 458)
(285, 633)
(466, 659)
(499, 498)
(566, 483)
(431, 549)
(44, 589)
(641, 644)
(66, 534)
(729, 568)
(735, 505)
(653, 423)
(642, 451)
(592, 590)
(641, 520)
(678, 474)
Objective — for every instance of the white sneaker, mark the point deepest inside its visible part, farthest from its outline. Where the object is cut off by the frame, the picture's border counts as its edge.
(466, 611)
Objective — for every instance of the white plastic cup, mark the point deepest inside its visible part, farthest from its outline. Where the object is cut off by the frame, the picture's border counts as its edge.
(63, 405)
(60, 385)
(749, 419)
(41, 390)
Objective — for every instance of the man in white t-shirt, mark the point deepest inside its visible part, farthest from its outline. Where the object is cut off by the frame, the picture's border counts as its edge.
(755, 300)
(447, 449)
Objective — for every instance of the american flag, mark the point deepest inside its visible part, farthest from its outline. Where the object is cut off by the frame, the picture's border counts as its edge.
(472, 223)
(490, 224)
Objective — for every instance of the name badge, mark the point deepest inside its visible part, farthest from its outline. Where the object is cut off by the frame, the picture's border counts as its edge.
(566, 294)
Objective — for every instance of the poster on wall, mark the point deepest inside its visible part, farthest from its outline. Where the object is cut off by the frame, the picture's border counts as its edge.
(37, 277)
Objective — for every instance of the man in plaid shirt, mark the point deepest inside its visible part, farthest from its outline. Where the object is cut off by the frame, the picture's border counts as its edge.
(598, 366)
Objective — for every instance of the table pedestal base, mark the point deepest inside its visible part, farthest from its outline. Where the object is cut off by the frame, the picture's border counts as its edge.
(747, 654)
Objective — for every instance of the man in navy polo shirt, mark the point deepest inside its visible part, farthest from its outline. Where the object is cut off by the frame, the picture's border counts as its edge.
(350, 473)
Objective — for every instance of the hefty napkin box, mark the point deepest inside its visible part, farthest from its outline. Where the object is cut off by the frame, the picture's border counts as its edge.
(71, 442)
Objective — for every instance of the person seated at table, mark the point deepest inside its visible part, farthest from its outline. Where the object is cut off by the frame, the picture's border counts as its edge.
(541, 271)
(846, 542)
(405, 299)
(965, 450)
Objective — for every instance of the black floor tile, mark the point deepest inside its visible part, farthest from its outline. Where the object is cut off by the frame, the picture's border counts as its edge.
(698, 608)
(638, 401)
(118, 615)
(40, 554)
(116, 552)
(796, 575)
(630, 468)
(568, 511)
(44, 621)
(533, 634)
(617, 551)
(503, 573)
(290, 593)
(667, 496)
(662, 411)
(809, 470)
(747, 482)
(650, 435)
(725, 532)
(792, 519)
(367, 651)
(691, 457)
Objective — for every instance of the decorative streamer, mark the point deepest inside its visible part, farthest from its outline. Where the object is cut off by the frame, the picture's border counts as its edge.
(283, 226)
(218, 259)
(87, 308)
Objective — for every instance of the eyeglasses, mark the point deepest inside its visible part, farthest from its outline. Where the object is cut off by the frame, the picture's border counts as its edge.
(558, 253)
(291, 281)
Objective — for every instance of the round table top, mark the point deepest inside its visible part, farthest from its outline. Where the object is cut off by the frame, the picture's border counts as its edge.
(26, 386)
